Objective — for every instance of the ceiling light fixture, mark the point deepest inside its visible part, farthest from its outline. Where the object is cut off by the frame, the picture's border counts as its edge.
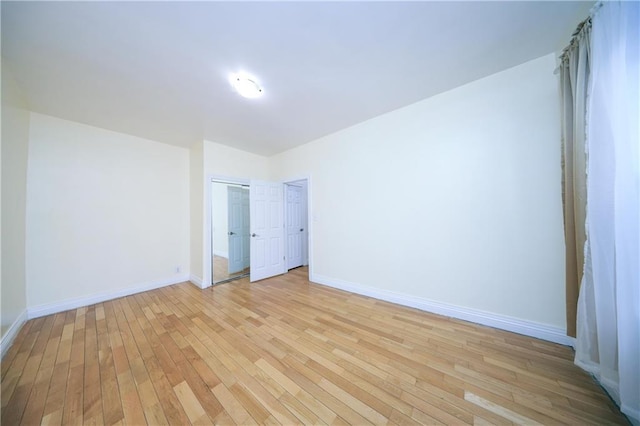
(246, 86)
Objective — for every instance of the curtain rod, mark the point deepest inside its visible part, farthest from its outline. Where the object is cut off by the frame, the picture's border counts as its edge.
(576, 33)
(574, 36)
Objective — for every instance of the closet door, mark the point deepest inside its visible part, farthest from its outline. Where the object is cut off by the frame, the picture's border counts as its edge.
(294, 225)
(266, 201)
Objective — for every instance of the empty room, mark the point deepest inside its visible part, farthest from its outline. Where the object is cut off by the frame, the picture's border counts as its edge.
(206, 208)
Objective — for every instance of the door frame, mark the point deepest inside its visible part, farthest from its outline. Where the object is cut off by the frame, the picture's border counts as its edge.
(207, 241)
(236, 222)
(310, 216)
(304, 256)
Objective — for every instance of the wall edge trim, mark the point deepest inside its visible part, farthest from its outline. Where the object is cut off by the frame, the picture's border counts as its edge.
(502, 322)
(77, 302)
(12, 332)
(196, 280)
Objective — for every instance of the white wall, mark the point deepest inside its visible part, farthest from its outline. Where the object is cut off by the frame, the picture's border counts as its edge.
(454, 199)
(220, 218)
(222, 160)
(15, 143)
(106, 212)
(196, 191)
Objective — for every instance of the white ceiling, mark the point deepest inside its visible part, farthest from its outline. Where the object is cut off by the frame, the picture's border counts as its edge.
(159, 70)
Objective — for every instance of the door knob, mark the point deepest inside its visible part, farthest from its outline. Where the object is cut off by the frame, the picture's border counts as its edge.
(254, 235)
(232, 233)
(301, 229)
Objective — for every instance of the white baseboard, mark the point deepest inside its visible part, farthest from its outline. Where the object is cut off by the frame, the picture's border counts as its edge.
(224, 254)
(12, 332)
(196, 280)
(65, 305)
(503, 322)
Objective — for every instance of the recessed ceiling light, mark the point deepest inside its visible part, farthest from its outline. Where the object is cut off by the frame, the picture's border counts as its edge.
(246, 86)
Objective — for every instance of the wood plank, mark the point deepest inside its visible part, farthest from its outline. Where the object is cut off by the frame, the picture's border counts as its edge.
(500, 410)
(111, 401)
(15, 349)
(190, 403)
(232, 406)
(92, 412)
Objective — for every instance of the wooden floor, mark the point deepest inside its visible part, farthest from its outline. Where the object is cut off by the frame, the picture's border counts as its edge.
(289, 352)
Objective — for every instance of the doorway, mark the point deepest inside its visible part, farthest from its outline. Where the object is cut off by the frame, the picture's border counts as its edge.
(230, 231)
(247, 228)
(296, 224)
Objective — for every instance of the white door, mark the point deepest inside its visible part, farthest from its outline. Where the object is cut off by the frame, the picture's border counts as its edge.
(294, 226)
(234, 209)
(267, 229)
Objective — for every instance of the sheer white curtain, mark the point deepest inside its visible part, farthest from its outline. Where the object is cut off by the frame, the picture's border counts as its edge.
(608, 323)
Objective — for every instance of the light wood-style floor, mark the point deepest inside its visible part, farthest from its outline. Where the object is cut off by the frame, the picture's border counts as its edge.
(221, 269)
(285, 351)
